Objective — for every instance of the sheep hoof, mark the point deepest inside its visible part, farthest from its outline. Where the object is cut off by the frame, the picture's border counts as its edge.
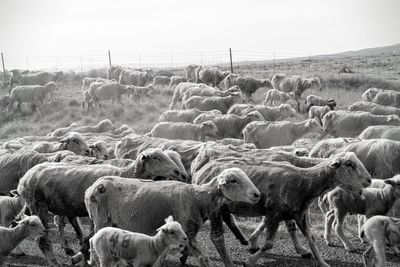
(244, 242)
(306, 255)
(253, 250)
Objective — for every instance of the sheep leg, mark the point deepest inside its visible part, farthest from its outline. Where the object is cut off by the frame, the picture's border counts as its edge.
(199, 253)
(379, 253)
(271, 225)
(291, 227)
(303, 225)
(230, 221)
(322, 206)
(329, 217)
(254, 236)
(174, 100)
(59, 221)
(339, 217)
(217, 237)
(368, 257)
(360, 222)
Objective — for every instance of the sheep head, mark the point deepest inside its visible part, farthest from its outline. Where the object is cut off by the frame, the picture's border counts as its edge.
(51, 86)
(34, 224)
(99, 150)
(173, 231)
(395, 183)
(286, 110)
(75, 143)
(235, 185)
(209, 128)
(350, 173)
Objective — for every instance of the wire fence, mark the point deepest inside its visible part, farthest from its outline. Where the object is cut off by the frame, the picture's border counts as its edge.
(386, 66)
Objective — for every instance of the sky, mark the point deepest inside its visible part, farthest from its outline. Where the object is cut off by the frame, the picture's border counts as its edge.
(54, 28)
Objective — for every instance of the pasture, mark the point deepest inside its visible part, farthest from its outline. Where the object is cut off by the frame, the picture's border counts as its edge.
(143, 114)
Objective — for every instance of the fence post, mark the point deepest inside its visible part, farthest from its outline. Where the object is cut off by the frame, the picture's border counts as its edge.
(4, 69)
(230, 56)
(109, 57)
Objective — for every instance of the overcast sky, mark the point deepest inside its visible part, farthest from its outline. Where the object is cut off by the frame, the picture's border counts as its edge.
(53, 27)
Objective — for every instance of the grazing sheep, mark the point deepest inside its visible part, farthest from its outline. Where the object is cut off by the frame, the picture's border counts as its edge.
(88, 80)
(274, 95)
(230, 125)
(98, 150)
(31, 78)
(180, 90)
(207, 91)
(5, 102)
(12, 237)
(176, 80)
(231, 80)
(185, 115)
(190, 205)
(248, 85)
(73, 141)
(318, 113)
(269, 113)
(313, 100)
(379, 231)
(370, 94)
(112, 244)
(135, 77)
(214, 102)
(372, 201)
(60, 187)
(35, 94)
(295, 84)
(375, 109)
(287, 191)
(138, 92)
(190, 73)
(267, 134)
(184, 130)
(211, 76)
(387, 98)
(342, 123)
(107, 91)
(381, 131)
(161, 81)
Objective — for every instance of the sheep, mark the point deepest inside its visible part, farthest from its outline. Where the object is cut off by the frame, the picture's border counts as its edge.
(381, 131)
(287, 191)
(269, 113)
(211, 76)
(313, 100)
(107, 91)
(230, 125)
(372, 201)
(88, 100)
(99, 150)
(176, 80)
(60, 187)
(274, 95)
(35, 94)
(206, 117)
(318, 113)
(112, 244)
(370, 94)
(191, 205)
(375, 109)
(73, 141)
(11, 237)
(214, 102)
(387, 98)
(135, 77)
(295, 84)
(248, 85)
(267, 134)
(207, 91)
(88, 80)
(186, 115)
(327, 147)
(180, 90)
(138, 92)
(31, 78)
(190, 74)
(351, 124)
(161, 81)
(184, 130)
(380, 231)
(102, 127)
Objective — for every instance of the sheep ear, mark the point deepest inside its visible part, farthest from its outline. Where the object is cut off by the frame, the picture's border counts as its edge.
(145, 157)
(389, 181)
(169, 219)
(335, 163)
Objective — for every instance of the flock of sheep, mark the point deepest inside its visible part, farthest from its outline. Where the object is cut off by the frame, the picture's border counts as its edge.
(218, 157)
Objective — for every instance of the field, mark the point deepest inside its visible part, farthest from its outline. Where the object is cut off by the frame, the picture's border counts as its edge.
(143, 114)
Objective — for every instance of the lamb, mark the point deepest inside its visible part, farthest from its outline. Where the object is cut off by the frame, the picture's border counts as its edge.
(380, 231)
(186, 115)
(60, 187)
(211, 76)
(318, 113)
(180, 90)
(387, 98)
(230, 125)
(161, 81)
(191, 205)
(72, 142)
(375, 109)
(138, 92)
(313, 100)
(350, 124)
(88, 80)
(287, 191)
(214, 102)
(372, 201)
(274, 95)
(135, 77)
(107, 91)
(248, 85)
(381, 131)
(184, 130)
(269, 113)
(370, 94)
(207, 91)
(102, 127)
(99, 150)
(112, 244)
(11, 237)
(267, 134)
(35, 94)
(294, 84)
(176, 80)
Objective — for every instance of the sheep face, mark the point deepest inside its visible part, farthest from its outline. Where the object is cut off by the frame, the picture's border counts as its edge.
(209, 128)
(159, 166)
(237, 98)
(173, 231)
(316, 82)
(34, 224)
(395, 182)
(287, 111)
(237, 186)
(99, 150)
(52, 86)
(255, 116)
(74, 142)
(233, 89)
(266, 83)
(350, 172)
